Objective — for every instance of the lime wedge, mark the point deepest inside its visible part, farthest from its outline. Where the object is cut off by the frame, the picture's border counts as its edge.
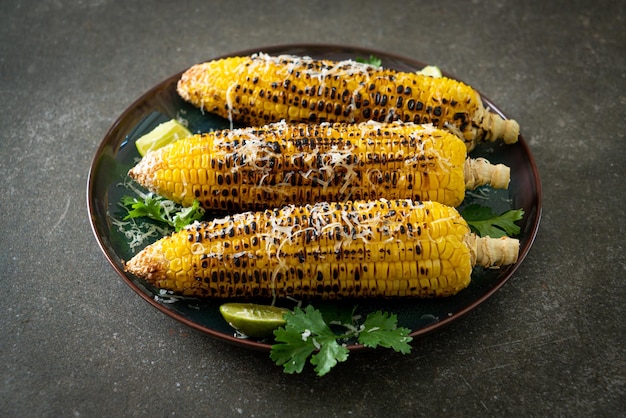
(253, 320)
(164, 134)
(431, 70)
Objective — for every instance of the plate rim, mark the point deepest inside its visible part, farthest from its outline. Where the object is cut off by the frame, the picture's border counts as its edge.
(312, 47)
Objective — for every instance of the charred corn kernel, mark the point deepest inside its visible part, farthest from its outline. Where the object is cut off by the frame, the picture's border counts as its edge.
(325, 250)
(280, 164)
(259, 89)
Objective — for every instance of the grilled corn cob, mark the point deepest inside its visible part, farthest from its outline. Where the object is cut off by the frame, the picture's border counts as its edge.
(279, 164)
(260, 89)
(360, 249)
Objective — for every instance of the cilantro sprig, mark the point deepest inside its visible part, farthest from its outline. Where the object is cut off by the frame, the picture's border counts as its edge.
(484, 222)
(372, 60)
(307, 334)
(162, 210)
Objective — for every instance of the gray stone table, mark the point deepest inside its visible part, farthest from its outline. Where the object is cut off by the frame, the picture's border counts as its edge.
(77, 341)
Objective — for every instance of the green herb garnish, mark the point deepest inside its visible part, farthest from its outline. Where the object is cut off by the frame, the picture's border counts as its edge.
(372, 60)
(307, 334)
(162, 210)
(484, 222)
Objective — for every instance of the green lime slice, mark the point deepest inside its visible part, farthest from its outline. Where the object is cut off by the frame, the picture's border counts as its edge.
(164, 134)
(431, 70)
(253, 320)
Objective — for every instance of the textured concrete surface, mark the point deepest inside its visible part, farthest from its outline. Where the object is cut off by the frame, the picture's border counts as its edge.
(76, 341)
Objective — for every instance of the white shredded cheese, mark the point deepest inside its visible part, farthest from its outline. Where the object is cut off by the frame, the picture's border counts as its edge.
(306, 334)
(137, 235)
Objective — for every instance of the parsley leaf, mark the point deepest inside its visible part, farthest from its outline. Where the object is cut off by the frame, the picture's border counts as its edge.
(329, 355)
(188, 215)
(486, 223)
(294, 351)
(308, 319)
(379, 329)
(372, 60)
(306, 331)
(307, 334)
(162, 210)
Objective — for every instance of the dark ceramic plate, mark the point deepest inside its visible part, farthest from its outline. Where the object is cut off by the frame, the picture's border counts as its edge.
(117, 154)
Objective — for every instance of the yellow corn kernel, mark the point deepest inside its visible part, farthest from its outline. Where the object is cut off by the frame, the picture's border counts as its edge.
(279, 164)
(258, 89)
(282, 261)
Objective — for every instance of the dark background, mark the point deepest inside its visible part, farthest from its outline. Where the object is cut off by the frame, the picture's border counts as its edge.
(76, 341)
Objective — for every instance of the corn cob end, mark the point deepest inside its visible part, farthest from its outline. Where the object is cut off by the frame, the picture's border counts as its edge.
(479, 172)
(193, 82)
(498, 127)
(142, 172)
(492, 252)
(150, 264)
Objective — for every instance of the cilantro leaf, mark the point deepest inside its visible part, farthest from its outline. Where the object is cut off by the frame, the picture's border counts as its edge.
(162, 210)
(486, 223)
(149, 207)
(329, 355)
(294, 351)
(307, 334)
(380, 329)
(305, 331)
(188, 215)
(308, 319)
(372, 60)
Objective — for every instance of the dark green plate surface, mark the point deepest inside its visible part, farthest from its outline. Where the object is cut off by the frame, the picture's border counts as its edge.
(117, 154)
